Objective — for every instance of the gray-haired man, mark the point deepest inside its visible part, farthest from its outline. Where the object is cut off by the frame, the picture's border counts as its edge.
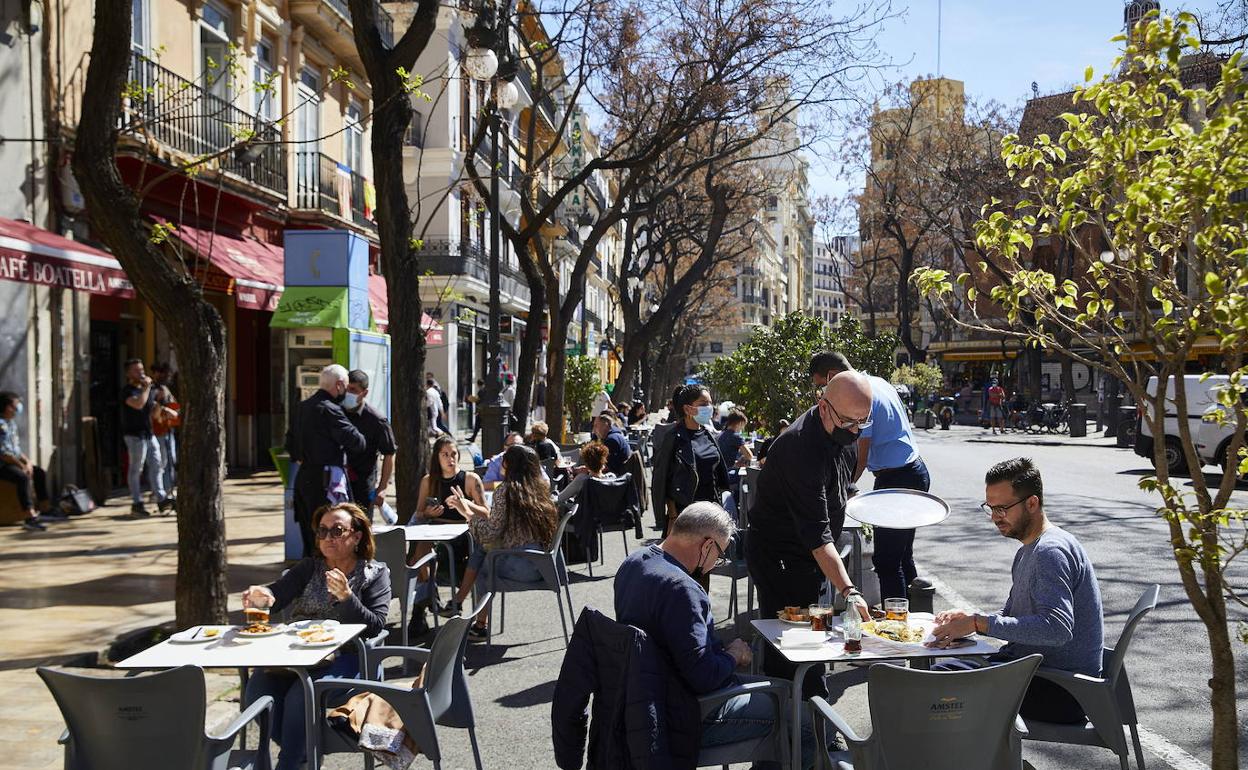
(320, 439)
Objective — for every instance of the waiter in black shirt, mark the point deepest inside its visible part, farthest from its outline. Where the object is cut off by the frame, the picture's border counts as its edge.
(368, 488)
(800, 508)
(320, 439)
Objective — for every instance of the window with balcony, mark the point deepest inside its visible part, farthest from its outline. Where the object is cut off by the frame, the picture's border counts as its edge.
(353, 138)
(264, 85)
(214, 47)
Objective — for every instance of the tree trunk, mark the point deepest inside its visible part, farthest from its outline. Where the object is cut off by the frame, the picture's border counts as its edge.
(391, 115)
(531, 341)
(194, 326)
(1222, 690)
(1068, 378)
(556, 371)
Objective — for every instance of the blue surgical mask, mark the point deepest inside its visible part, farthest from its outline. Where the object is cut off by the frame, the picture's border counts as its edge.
(703, 417)
(350, 401)
(17, 410)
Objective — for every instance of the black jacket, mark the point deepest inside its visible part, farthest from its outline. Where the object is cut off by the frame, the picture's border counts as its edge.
(321, 434)
(674, 478)
(642, 717)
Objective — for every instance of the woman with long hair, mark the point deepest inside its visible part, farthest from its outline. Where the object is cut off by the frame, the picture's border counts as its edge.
(522, 516)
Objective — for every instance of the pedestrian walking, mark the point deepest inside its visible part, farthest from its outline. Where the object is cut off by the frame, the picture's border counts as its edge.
(368, 485)
(477, 400)
(166, 418)
(444, 401)
(433, 408)
(17, 469)
(320, 439)
(539, 399)
(797, 515)
(886, 446)
(138, 402)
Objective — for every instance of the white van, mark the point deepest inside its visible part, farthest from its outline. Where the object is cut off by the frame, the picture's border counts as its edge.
(1213, 442)
(1200, 397)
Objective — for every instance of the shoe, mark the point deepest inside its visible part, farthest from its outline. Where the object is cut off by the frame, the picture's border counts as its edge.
(167, 505)
(33, 524)
(450, 610)
(137, 509)
(478, 633)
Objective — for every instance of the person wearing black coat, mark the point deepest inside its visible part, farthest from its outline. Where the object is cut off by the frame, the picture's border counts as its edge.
(688, 465)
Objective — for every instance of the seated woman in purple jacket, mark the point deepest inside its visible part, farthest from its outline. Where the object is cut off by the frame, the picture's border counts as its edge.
(339, 581)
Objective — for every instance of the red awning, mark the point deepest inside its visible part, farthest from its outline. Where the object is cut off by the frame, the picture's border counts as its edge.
(33, 255)
(256, 268)
(378, 297)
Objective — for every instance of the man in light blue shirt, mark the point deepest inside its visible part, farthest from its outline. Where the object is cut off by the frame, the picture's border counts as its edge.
(887, 447)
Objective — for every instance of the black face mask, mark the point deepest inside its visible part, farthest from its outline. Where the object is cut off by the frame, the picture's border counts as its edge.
(697, 573)
(338, 399)
(844, 436)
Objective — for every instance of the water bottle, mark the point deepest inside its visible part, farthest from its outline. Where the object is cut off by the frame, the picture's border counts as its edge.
(851, 624)
(388, 514)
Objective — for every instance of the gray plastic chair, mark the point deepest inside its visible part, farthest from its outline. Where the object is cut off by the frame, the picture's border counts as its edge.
(150, 720)
(735, 568)
(772, 747)
(550, 563)
(405, 583)
(1107, 699)
(441, 700)
(937, 720)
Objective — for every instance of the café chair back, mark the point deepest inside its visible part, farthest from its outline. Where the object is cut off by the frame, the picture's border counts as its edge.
(937, 720)
(1107, 699)
(442, 700)
(607, 505)
(405, 582)
(549, 562)
(150, 720)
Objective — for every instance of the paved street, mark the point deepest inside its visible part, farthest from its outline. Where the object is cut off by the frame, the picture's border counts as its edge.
(1090, 490)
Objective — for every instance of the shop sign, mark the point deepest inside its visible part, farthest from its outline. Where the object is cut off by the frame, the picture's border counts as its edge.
(73, 274)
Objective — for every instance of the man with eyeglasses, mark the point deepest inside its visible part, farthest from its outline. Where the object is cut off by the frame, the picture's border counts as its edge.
(799, 509)
(887, 447)
(1054, 605)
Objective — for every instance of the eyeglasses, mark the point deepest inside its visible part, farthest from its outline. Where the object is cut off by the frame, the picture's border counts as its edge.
(337, 533)
(865, 422)
(721, 560)
(999, 510)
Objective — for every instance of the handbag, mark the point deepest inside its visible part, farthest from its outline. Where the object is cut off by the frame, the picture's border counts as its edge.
(76, 502)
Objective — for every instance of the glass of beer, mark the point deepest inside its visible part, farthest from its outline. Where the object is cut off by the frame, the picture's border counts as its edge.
(257, 613)
(819, 614)
(897, 609)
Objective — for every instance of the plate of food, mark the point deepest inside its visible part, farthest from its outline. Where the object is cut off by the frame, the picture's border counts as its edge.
(304, 625)
(198, 634)
(794, 616)
(257, 630)
(315, 636)
(896, 631)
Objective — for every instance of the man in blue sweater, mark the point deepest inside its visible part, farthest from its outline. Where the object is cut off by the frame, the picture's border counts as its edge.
(657, 590)
(1054, 606)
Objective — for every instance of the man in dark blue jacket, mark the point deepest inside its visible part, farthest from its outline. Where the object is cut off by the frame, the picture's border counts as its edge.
(618, 449)
(657, 590)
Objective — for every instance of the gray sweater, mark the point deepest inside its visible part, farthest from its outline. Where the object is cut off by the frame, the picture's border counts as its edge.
(1054, 606)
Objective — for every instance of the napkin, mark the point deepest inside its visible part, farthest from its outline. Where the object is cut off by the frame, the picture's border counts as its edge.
(802, 637)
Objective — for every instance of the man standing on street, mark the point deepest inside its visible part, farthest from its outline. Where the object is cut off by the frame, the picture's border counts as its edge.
(886, 446)
(800, 508)
(138, 401)
(1054, 605)
(368, 489)
(618, 450)
(444, 403)
(320, 439)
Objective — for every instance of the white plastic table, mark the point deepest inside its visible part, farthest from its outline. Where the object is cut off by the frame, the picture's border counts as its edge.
(833, 651)
(235, 650)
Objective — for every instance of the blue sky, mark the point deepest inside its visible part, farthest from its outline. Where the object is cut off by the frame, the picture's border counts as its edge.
(998, 47)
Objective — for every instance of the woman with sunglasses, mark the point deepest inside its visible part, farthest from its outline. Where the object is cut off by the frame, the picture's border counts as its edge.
(340, 581)
(688, 466)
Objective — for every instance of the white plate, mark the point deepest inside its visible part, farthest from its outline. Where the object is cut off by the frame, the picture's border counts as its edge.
(897, 508)
(298, 642)
(797, 623)
(196, 635)
(280, 628)
(300, 625)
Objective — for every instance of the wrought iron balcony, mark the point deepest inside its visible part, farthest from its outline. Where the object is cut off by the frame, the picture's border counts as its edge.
(325, 184)
(463, 258)
(188, 119)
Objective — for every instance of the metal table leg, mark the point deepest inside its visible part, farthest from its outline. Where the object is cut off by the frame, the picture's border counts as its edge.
(309, 718)
(795, 751)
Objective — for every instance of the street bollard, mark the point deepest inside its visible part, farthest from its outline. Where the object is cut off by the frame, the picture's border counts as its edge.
(922, 595)
(1077, 417)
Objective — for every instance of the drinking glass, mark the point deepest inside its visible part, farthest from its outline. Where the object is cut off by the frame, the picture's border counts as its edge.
(897, 609)
(819, 614)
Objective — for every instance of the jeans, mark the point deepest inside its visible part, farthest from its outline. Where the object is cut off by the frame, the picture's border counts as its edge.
(513, 569)
(751, 716)
(289, 729)
(893, 557)
(1044, 701)
(169, 456)
(145, 450)
(39, 479)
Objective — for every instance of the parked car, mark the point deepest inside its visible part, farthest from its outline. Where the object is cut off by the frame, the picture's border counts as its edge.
(1213, 441)
(1200, 397)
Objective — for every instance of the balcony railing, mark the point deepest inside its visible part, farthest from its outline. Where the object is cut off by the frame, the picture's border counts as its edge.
(183, 116)
(467, 259)
(385, 22)
(323, 183)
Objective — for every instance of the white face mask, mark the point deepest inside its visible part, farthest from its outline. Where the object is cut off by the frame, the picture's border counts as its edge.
(703, 417)
(350, 401)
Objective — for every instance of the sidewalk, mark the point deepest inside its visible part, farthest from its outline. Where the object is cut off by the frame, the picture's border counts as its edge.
(68, 593)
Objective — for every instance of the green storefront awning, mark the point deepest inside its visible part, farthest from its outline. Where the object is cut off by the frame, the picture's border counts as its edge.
(303, 307)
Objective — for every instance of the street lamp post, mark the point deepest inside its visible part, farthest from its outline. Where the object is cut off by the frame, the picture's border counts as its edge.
(490, 53)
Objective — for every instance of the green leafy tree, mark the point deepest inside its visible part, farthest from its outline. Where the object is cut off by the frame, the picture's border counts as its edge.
(580, 386)
(768, 376)
(1146, 185)
(921, 379)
